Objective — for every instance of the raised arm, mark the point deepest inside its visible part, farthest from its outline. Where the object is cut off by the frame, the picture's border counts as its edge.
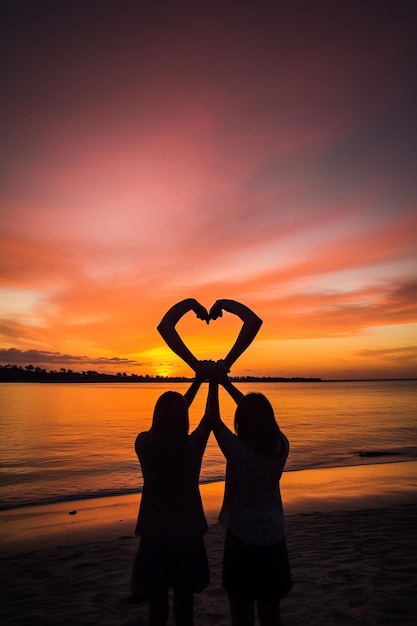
(233, 391)
(212, 408)
(191, 392)
(248, 332)
(166, 328)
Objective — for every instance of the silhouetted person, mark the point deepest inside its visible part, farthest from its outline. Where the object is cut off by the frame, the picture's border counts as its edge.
(171, 521)
(256, 569)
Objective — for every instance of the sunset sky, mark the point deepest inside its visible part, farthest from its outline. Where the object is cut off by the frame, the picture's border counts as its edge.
(156, 151)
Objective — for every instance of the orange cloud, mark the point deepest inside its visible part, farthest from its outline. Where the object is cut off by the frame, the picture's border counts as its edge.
(209, 153)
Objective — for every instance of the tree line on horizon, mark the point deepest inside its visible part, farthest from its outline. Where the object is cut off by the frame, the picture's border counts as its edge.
(31, 373)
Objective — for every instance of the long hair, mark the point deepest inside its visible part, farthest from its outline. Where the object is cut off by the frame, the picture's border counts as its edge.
(170, 418)
(255, 423)
(168, 456)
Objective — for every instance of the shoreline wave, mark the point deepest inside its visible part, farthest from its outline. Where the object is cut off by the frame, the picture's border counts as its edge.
(371, 460)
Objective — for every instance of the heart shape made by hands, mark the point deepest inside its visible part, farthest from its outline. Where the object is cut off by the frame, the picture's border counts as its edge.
(216, 311)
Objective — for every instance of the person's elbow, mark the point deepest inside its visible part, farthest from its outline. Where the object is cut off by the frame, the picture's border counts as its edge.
(257, 322)
(162, 327)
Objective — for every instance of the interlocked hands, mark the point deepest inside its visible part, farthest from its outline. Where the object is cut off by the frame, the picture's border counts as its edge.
(211, 370)
(216, 310)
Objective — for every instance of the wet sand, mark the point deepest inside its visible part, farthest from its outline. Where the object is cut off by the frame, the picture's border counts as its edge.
(351, 535)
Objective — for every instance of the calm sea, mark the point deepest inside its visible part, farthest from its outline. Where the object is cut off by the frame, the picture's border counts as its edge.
(63, 442)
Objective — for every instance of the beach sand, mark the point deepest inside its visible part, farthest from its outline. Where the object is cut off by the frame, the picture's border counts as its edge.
(352, 539)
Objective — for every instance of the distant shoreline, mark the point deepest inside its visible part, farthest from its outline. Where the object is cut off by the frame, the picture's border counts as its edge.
(33, 375)
(17, 375)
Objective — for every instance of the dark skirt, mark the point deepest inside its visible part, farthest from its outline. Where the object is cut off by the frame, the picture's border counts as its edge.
(256, 572)
(182, 566)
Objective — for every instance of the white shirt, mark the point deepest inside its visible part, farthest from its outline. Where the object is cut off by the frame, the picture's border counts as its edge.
(252, 506)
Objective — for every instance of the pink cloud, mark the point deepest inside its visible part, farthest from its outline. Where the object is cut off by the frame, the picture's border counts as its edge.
(260, 154)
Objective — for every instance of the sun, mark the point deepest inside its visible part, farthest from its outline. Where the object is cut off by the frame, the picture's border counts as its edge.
(163, 370)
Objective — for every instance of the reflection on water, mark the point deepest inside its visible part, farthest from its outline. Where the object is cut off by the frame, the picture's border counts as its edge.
(69, 440)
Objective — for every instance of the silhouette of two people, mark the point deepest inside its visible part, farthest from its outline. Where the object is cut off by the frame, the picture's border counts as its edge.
(171, 521)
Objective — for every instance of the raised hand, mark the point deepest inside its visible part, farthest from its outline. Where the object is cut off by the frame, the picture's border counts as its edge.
(217, 309)
(232, 306)
(221, 373)
(213, 371)
(200, 311)
(206, 370)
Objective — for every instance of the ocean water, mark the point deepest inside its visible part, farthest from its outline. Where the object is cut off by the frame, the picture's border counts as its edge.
(63, 442)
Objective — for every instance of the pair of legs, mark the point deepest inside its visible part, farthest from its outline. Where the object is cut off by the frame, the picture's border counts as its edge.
(183, 606)
(242, 612)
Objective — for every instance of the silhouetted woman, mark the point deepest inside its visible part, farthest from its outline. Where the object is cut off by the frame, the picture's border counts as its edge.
(256, 569)
(171, 521)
